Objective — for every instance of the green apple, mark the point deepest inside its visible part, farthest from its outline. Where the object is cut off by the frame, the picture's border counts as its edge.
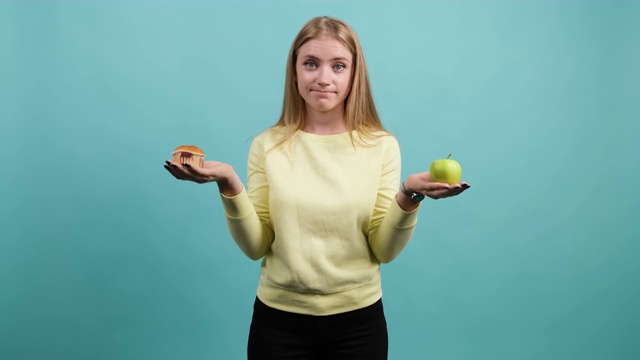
(445, 171)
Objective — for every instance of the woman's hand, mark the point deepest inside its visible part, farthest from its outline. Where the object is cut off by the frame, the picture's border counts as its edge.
(211, 171)
(422, 183)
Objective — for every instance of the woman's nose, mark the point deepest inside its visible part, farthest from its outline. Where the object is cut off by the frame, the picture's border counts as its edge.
(324, 75)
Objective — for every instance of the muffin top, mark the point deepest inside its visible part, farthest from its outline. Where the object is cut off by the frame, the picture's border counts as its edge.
(190, 149)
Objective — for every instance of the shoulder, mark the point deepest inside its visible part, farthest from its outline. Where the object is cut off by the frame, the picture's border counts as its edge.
(275, 132)
(269, 137)
(378, 138)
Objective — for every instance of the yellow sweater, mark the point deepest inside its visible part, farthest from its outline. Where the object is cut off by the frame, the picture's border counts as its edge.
(322, 216)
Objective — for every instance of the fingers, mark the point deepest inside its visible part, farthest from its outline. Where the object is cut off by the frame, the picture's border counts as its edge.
(173, 170)
(168, 168)
(422, 182)
(179, 172)
(197, 174)
(444, 190)
(437, 190)
(438, 194)
(194, 170)
(187, 172)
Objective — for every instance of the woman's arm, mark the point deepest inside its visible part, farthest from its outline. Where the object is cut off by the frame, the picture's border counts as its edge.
(395, 215)
(247, 228)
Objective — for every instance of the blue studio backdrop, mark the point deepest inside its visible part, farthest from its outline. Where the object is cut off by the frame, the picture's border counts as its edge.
(103, 255)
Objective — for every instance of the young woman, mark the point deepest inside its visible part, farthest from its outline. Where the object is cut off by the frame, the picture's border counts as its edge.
(321, 207)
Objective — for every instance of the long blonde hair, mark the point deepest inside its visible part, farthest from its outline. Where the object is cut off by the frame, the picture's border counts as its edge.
(360, 111)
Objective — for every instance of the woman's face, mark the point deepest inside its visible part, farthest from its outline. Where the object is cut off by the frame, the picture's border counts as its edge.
(323, 74)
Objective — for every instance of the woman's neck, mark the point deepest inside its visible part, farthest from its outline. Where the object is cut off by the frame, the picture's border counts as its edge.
(325, 123)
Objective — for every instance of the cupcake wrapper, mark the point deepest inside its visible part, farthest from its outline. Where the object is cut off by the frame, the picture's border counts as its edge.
(183, 157)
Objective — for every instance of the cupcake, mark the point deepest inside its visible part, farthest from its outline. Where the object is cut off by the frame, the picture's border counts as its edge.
(188, 154)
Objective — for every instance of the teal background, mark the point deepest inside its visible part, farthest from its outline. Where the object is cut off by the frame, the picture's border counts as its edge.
(103, 255)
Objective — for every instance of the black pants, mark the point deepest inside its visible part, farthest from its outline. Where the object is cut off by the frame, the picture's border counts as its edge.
(359, 334)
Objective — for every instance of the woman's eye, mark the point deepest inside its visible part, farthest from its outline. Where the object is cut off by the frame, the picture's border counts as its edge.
(310, 64)
(339, 67)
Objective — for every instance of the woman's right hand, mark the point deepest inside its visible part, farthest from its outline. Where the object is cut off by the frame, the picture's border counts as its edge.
(211, 171)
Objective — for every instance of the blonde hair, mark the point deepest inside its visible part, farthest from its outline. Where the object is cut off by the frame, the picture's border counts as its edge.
(360, 111)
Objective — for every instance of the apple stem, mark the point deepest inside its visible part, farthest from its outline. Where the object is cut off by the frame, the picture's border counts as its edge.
(449, 155)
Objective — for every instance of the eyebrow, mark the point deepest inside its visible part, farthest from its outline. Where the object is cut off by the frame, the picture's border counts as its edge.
(310, 56)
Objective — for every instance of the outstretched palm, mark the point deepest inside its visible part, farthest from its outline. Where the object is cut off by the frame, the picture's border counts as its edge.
(210, 171)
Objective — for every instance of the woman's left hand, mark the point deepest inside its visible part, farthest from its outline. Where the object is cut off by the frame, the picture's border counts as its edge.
(423, 183)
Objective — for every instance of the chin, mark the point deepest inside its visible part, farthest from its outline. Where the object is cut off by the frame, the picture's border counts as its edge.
(323, 109)
(323, 106)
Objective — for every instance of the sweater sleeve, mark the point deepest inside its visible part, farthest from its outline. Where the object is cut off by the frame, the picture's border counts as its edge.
(391, 227)
(247, 213)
